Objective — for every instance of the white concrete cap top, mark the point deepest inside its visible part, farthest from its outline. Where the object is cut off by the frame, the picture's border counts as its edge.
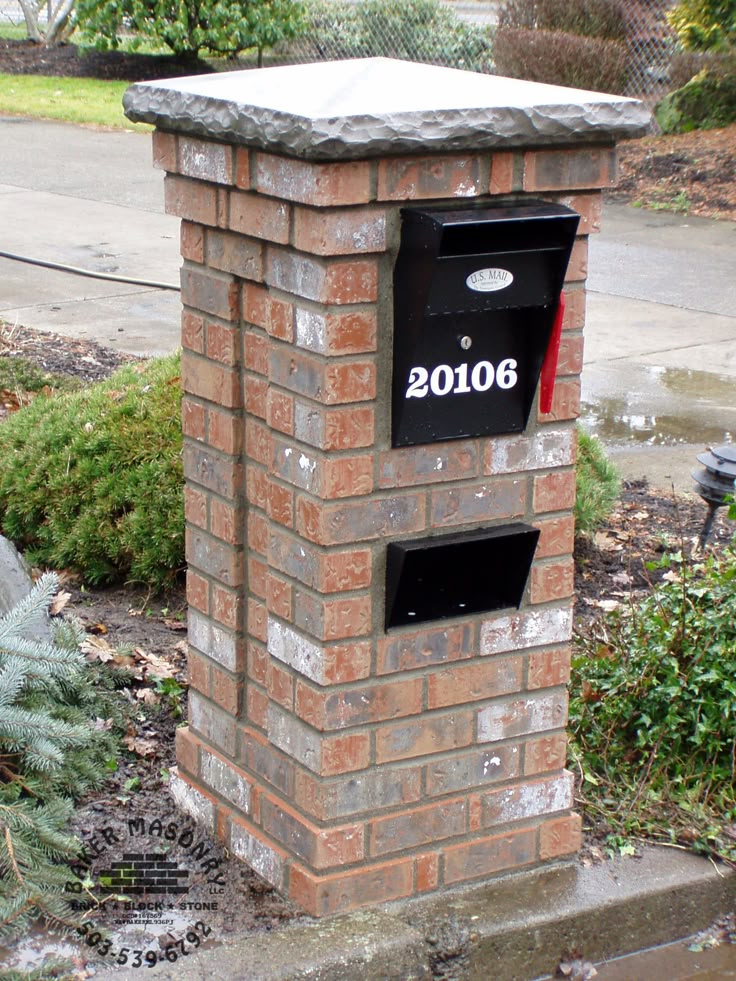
(375, 106)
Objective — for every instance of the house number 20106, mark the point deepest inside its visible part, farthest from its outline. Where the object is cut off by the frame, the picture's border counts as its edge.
(464, 378)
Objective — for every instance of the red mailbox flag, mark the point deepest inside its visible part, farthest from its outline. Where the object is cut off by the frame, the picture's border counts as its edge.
(549, 367)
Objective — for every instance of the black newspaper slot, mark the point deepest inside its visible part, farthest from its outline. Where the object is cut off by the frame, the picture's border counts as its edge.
(475, 297)
(458, 574)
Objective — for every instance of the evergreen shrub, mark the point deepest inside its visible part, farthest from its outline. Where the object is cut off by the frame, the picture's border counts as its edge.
(559, 58)
(598, 485)
(92, 480)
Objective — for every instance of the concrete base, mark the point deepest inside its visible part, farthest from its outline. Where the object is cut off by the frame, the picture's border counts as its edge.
(515, 929)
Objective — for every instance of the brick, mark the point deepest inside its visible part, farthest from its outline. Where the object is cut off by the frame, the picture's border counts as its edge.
(213, 558)
(313, 183)
(344, 523)
(340, 892)
(557, 536)
(261, 855)
(426, 876)
(257, 577)
(217, 727)
(195, 507)
(191, 239)
(280, 686)
(334, 429)
(529, 628)
(261, 217)
(211, 292)
(217, 473)
(560, 837)
(571, 355)
(190, 200)
(187, 750)
(552, 581)
(256, 707)
(355, 793)
(234, 254)
(428, 647)
(257, 532)
(198, 592)
(365, 705)
(565, 401)
(331, 478)
(431, 734)
(207, 380)
(577, 268)
(256, 487)
(460, 684)
(333, 619)
(225, 779)
(588, 206)
(322, 755)
(554, 492)
(164, 151)
(320, 848)
(226, 522)
(548, 668)
(574, 318)
(503, 171)
(280, 505)
(192, 332)
(219, 644)
(416, 178)
(518, 454)
(225, 431)
(486, 856)
(525, 801)
(256, 396)
(329, 382)
(201, 807)
(562, 170)
(322, 664)
(262, 310)
(473, 503)
(522, 716)
(242, 167)
(205, 160)
(227, 607)
(344, 571)
(417, 827)
(280, 411)
(198, 672)
(258, 442)
(471, 770)
(277, 770)
(545, 754)
(335, 281)
(193, 419)
(336, 333)
(348, 231)
(428, 464)
(257, 620)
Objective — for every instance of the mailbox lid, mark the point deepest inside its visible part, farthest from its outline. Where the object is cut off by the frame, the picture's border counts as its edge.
(491, 258)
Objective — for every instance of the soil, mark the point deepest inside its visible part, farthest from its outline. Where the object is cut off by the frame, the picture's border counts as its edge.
(146, 634)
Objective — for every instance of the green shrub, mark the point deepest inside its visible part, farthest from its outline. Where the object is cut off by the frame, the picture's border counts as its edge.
(92, 480)
(413, 30)
(705, 25)
(188, 26)
(586, 18)
(51, 752)
(705, 102)
(653, 710)
(561, 59)
(598, 485)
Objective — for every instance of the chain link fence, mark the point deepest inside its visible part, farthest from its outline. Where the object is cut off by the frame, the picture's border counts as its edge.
(458, 33)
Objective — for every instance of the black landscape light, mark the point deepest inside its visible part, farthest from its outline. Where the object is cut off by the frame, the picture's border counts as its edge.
(715, 482)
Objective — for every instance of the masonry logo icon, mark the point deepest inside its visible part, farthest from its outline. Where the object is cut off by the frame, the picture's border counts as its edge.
(139, 873)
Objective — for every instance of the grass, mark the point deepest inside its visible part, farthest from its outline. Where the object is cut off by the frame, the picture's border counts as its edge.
(85, 101)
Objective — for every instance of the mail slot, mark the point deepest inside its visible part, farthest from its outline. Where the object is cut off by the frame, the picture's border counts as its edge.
(475, 297)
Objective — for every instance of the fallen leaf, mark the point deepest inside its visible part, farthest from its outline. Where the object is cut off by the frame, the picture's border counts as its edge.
(174, 624)
(182, 647)
(98, 628)
(96, 649)
(622, 578)
(59, 602)
(640, 516)
(606, 543)
(153, 664)
(141, 747)
(147, 696)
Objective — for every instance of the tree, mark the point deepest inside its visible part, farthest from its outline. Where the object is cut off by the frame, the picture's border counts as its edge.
(705, 25)
(189, 27)
(59, 22)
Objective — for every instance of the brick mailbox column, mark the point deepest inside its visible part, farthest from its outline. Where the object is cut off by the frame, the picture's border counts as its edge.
(348, 764)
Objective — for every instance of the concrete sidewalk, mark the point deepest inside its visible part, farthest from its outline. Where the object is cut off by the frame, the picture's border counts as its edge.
(660, 361)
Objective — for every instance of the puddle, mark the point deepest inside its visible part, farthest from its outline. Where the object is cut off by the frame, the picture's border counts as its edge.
(624, 403)
(672, 962)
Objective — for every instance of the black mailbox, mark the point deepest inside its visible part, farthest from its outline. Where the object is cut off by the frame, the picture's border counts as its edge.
(475, 297)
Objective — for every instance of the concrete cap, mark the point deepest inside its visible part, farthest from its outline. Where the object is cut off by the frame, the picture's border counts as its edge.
(376, 106)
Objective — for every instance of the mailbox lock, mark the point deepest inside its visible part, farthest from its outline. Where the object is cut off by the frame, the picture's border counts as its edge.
(466, 342)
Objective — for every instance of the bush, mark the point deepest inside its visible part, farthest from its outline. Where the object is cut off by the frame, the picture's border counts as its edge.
(705, 25)
(687, 64)
(598, 485)
(92, 480)
(188, 26)
(413, 30)
(585, 18)
(705, 102)
(653, 710)
(561, 59)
